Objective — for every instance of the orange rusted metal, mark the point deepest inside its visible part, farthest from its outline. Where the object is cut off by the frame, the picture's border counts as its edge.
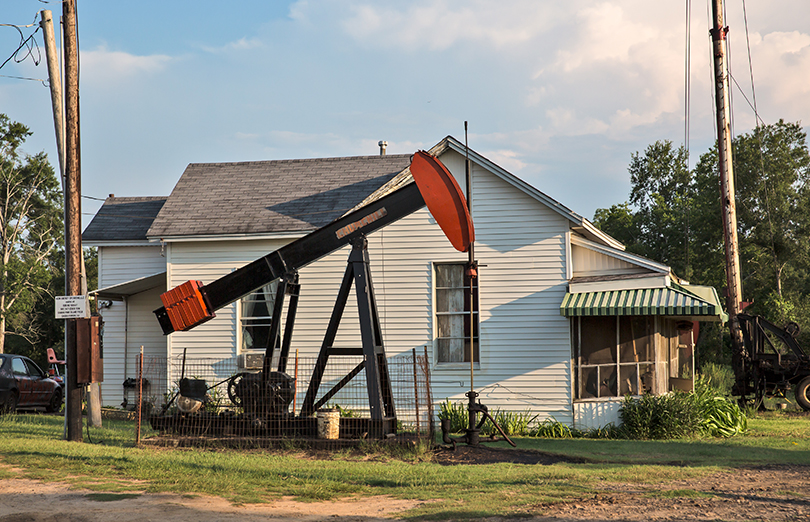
(444, 199)
(186, 306)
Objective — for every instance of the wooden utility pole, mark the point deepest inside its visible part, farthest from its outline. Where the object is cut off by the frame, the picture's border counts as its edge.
(727, 195)
(55, 82)
(73, 240)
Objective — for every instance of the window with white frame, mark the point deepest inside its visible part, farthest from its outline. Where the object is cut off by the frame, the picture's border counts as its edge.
(257, 317)
(614, 356)
(456, 309)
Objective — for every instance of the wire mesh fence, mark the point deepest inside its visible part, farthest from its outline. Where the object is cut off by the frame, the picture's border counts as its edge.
(233, 400)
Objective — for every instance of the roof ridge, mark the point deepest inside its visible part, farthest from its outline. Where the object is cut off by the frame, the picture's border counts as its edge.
(304, 160)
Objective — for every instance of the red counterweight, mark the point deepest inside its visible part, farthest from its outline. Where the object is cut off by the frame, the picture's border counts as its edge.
(186, 306)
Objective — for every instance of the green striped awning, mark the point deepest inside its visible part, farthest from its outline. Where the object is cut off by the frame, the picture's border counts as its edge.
(672, 301)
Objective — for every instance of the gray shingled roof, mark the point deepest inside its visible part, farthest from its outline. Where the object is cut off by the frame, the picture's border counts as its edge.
(123, 219)
(270, 196)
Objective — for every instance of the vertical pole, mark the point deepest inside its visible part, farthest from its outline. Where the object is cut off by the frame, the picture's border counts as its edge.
(55, 82)
(73, 249)
(295, 380)
(733, 284)
(416, 391)
(426, 370)
(471, 268)
(140, 399)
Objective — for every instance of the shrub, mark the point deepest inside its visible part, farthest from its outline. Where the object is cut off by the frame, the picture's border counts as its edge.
(720, 415)
(512, 423)
(457, 413)
(679, 414)
(551, 428)
(667, 416)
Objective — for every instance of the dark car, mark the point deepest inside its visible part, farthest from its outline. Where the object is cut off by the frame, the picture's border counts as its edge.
(24, 385)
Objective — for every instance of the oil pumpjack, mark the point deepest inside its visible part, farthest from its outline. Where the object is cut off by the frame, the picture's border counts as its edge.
(265, 397)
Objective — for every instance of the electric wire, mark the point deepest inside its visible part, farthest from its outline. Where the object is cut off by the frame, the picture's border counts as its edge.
(750, 62)
(29, 43)
(686, 82)
(758, 135)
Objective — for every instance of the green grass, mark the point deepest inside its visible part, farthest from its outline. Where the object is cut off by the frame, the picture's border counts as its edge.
(112, 466)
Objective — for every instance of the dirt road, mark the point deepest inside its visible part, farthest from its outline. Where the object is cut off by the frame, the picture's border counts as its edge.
(769, 493)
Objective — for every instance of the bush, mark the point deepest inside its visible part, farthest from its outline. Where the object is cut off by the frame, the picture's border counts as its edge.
(669, 416)
(512, 423)
(551, 428)
(703, 412)
(720, 415)
(457, 413)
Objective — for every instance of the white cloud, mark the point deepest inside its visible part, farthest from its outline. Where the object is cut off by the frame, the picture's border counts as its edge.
(781, 75)
(104, 66)
(508, 159)
(605, 33)
(243, 44)
(439, 25)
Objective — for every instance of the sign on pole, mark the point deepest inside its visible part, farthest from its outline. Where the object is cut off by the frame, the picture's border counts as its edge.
(71, 306)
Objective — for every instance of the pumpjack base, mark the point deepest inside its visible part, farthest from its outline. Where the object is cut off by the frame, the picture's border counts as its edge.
(229, 424)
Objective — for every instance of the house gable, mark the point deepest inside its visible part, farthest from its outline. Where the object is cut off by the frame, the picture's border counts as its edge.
(122, 221)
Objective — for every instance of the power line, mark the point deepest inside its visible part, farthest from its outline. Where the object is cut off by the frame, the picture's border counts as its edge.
(29, 43)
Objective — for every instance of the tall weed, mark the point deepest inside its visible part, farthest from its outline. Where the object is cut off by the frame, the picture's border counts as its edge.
(718, 377)
(457, 413)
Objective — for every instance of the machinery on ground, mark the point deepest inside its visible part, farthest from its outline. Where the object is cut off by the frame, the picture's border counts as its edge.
(773, 362)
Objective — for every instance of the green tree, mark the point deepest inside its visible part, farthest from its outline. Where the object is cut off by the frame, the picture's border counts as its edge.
(674, 217)
(619, 222)
(772, 168)
(30, 231)
(657, 222)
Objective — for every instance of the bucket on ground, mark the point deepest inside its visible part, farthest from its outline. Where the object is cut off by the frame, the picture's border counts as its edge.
(328, 423)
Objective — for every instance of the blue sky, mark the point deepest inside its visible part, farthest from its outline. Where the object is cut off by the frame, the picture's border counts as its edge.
(558, 93)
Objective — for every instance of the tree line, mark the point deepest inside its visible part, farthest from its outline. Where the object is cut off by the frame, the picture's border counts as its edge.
(32, 256)
(673, 215)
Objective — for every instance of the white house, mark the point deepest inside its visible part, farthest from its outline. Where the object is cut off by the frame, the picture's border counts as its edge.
(568, 322)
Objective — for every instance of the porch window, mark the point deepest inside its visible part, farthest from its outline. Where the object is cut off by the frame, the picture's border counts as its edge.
(454, 312)
(613, 356)
(257, 316)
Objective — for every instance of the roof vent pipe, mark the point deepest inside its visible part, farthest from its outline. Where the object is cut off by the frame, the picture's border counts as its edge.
(383, 145)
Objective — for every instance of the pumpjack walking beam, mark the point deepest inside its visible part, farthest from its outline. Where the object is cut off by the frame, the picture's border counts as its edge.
(193, 303)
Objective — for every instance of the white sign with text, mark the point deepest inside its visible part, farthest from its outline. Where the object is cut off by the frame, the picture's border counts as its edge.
(71, 306)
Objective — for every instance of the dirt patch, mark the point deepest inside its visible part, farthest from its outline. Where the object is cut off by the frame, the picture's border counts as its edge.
(773, 493)
(767, 493)
(463, 454)
(23, 500)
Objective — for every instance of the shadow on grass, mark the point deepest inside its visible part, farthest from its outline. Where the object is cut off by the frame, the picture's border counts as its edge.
(736, 452)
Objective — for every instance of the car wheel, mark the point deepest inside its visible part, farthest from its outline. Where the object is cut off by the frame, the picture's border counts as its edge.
(11, 405)
(56, 401)
(803, 393)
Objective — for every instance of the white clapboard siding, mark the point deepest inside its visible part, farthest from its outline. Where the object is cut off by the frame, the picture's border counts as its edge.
(520, 243)
(128, 324)
(588, 262)
(121, 264)
(525, 346)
